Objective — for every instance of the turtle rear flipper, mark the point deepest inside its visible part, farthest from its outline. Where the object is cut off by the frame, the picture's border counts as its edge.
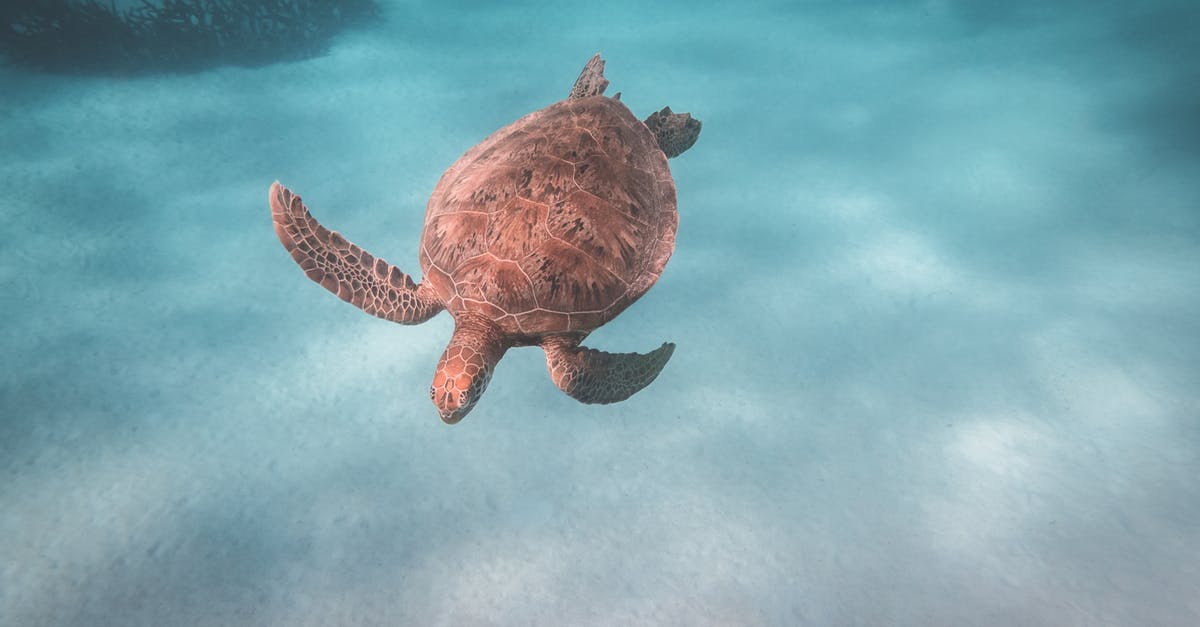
(592, 376)
(357, 277)
(591, 81)
(675, 132)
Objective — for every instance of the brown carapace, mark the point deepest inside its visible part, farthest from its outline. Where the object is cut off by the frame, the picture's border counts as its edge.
(544, 231)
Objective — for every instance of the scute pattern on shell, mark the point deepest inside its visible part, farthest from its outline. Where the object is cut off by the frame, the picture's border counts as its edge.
(554, 223)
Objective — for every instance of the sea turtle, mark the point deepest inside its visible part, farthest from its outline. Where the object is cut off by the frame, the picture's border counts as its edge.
(544, 231)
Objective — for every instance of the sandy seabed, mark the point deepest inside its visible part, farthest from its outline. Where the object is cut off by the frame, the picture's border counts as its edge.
(934, 294)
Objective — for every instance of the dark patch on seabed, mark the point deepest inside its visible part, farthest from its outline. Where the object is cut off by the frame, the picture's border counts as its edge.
(92, 36)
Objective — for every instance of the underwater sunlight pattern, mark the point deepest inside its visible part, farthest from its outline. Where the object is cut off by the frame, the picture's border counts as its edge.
(935, 300)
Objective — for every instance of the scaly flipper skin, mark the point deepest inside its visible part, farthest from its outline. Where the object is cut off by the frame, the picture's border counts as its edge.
(675, 132)
(591, 81)
(592, 376)
(371, 284)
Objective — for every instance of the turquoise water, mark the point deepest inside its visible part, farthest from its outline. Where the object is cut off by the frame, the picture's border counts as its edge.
(935, 297)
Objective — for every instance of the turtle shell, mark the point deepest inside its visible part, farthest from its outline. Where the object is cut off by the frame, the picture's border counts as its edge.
(554, 223)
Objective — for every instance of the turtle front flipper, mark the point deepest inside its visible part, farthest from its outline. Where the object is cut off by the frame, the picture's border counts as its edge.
(371, 284)
(592, 376)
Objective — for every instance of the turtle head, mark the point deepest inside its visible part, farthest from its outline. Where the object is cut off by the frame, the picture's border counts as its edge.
(457, 386)
(463, 372)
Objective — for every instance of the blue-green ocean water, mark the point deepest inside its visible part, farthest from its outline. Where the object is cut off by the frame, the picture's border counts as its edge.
(935, 295)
